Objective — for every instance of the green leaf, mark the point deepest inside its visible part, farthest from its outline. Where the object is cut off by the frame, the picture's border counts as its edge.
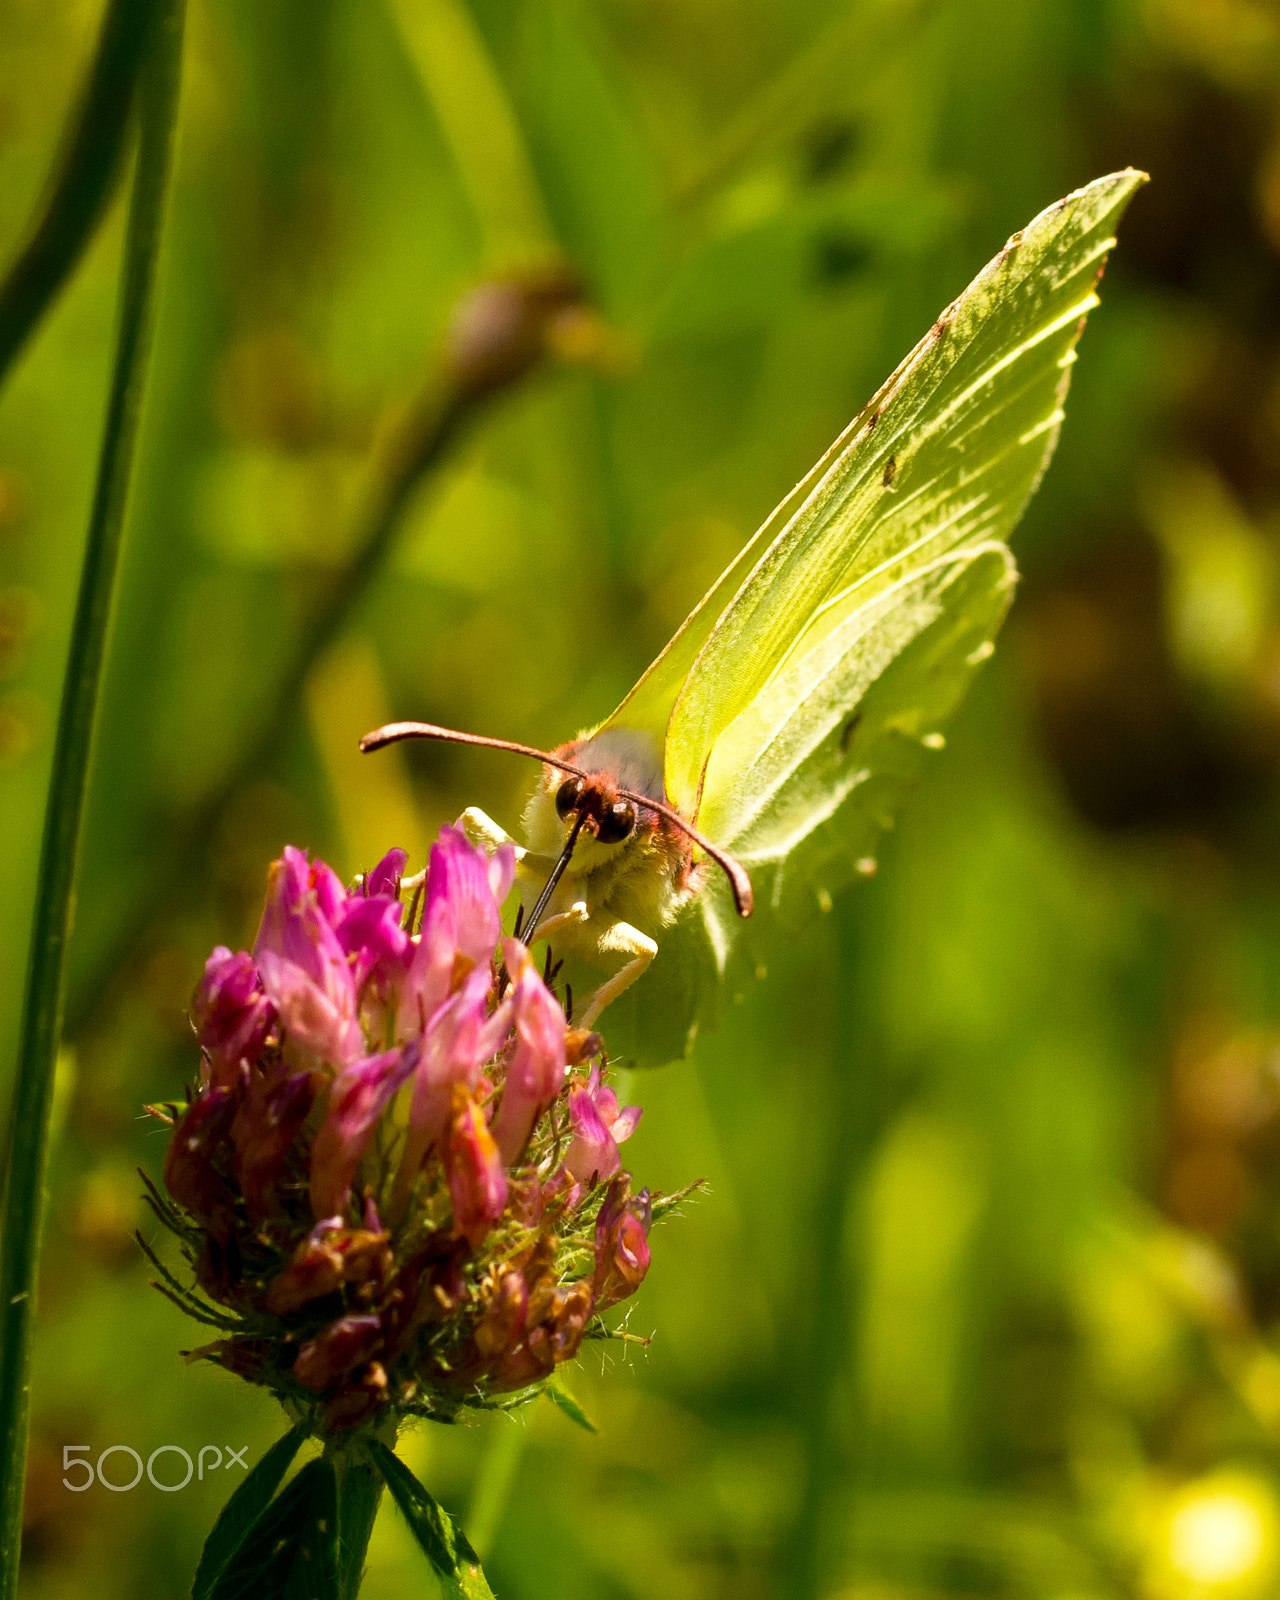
(242, 1511)
(314, 1573)
(441, 1540)
(559, 1395)
(292, 1549)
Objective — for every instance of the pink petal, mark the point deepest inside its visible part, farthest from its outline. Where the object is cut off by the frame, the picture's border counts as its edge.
(357, 1099)
(458, 1040)
(190, 1173)
(294, 922)
(593, 1153)
(473, 1165)
(268, 1122)
(369, 931)
(303, 966)
(338, 1349)
(621, 1244)
(536, 1072)
(309, 1015)
(233, 1015)
(458, 875)
(625, 1124)
(385, 877)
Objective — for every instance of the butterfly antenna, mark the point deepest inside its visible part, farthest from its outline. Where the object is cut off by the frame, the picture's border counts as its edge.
(739, 882)
(394, 732)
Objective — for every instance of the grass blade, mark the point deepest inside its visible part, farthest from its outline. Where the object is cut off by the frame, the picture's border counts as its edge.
(83, 179)
(29, 1121)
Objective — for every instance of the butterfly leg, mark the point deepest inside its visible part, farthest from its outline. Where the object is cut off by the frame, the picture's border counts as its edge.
(619, 938)
(481, 829)
(572, 918)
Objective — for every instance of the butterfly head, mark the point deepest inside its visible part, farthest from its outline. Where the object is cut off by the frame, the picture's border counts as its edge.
(599, 784)
(601, 803)
(610, 818)
(623, 855)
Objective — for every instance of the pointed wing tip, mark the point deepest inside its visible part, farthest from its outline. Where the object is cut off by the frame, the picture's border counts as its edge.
(1094, 203)
(1080, 214)
(1124, 180)
(1122, 177)
(1112, 191)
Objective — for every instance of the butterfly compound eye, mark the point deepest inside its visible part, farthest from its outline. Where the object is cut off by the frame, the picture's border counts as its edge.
(616, 823)
(568, 797)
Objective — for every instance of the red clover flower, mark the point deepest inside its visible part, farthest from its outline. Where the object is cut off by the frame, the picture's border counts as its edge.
(397, 1183)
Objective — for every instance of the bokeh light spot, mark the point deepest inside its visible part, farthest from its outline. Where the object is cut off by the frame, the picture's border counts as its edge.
(1222, 1533)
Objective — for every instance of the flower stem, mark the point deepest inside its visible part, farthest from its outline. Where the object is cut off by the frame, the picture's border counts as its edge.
(29, 1124)
(84, 176)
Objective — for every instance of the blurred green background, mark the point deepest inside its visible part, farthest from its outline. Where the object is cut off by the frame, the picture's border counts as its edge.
(984, 1297)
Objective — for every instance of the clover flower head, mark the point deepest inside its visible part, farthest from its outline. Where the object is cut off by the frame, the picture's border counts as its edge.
(397, 1182)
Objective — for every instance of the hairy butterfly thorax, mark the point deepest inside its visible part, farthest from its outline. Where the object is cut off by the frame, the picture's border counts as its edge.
(629, 859)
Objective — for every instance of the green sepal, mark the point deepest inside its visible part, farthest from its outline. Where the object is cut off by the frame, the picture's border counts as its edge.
(559, 1395)
(443, 1543)
(291, 1551)
(242, 1511)
(359, 1491)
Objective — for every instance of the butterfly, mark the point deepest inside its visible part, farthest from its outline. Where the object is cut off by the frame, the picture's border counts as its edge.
(751, 769)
